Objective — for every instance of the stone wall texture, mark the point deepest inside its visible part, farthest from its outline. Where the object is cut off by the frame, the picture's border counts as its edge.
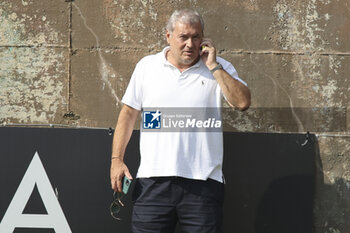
(68, 63)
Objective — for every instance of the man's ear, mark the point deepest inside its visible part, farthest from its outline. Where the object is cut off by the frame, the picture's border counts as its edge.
(167, 35)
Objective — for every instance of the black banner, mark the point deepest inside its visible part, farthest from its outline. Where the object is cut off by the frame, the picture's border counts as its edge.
(57, 180)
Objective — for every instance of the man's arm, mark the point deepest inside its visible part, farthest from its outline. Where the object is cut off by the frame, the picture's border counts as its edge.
(122, 134)
(236, 93)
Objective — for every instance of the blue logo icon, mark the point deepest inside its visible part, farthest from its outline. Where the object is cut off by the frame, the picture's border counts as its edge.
(152, 119)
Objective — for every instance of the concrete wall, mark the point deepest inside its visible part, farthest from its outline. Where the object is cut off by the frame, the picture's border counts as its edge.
(69, 62)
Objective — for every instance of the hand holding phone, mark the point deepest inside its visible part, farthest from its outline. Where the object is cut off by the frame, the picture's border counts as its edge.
(208, 52)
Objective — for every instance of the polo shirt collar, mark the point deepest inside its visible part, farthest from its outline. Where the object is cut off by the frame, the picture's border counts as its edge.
(166, 62)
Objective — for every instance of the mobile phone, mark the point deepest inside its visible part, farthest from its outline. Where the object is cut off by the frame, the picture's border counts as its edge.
(126, 184)
(201, 49)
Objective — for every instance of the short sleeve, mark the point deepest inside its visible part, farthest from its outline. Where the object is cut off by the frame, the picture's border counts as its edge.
(228, 67)
(133, 93)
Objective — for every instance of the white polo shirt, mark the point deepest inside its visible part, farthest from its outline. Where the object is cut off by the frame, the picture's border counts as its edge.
(156, 83)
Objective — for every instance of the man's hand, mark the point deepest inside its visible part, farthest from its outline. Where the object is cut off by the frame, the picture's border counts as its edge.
(118, 171)
(208, 54)
(122, 134)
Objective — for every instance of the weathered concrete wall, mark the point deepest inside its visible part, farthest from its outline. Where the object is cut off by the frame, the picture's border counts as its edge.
(69, 62)
(33, 53)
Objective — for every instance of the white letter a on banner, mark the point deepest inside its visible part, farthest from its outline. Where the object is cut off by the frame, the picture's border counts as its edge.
(14, 216)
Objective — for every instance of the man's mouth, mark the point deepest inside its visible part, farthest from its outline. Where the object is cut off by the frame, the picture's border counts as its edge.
(188, 52)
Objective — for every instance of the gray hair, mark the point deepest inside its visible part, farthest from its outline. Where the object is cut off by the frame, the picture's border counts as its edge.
(184, 16)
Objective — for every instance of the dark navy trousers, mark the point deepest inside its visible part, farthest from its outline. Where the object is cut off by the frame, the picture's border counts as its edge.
(162, 202)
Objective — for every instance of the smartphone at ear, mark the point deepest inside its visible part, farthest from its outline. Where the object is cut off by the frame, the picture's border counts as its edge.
(126, 184)
(201, 49)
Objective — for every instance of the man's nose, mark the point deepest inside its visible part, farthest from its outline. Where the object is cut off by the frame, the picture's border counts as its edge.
(189, 43)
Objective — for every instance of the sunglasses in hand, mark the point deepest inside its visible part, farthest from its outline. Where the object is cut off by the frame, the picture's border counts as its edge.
(116, 205)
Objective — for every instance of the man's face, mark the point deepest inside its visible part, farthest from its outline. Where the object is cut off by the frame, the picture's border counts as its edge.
(185, 43)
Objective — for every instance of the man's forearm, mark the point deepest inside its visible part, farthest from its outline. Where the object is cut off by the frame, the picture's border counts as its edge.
(236, 93)
(123, 131)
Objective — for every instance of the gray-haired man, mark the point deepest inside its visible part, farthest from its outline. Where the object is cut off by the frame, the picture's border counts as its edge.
(180, 175)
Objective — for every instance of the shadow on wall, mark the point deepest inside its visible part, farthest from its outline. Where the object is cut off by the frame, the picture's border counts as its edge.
(332, 200)
(286, 206)
(331, 212)
(270, 182)
(275, 184)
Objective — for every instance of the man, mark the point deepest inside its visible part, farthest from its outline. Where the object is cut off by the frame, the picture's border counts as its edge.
(180, 175)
